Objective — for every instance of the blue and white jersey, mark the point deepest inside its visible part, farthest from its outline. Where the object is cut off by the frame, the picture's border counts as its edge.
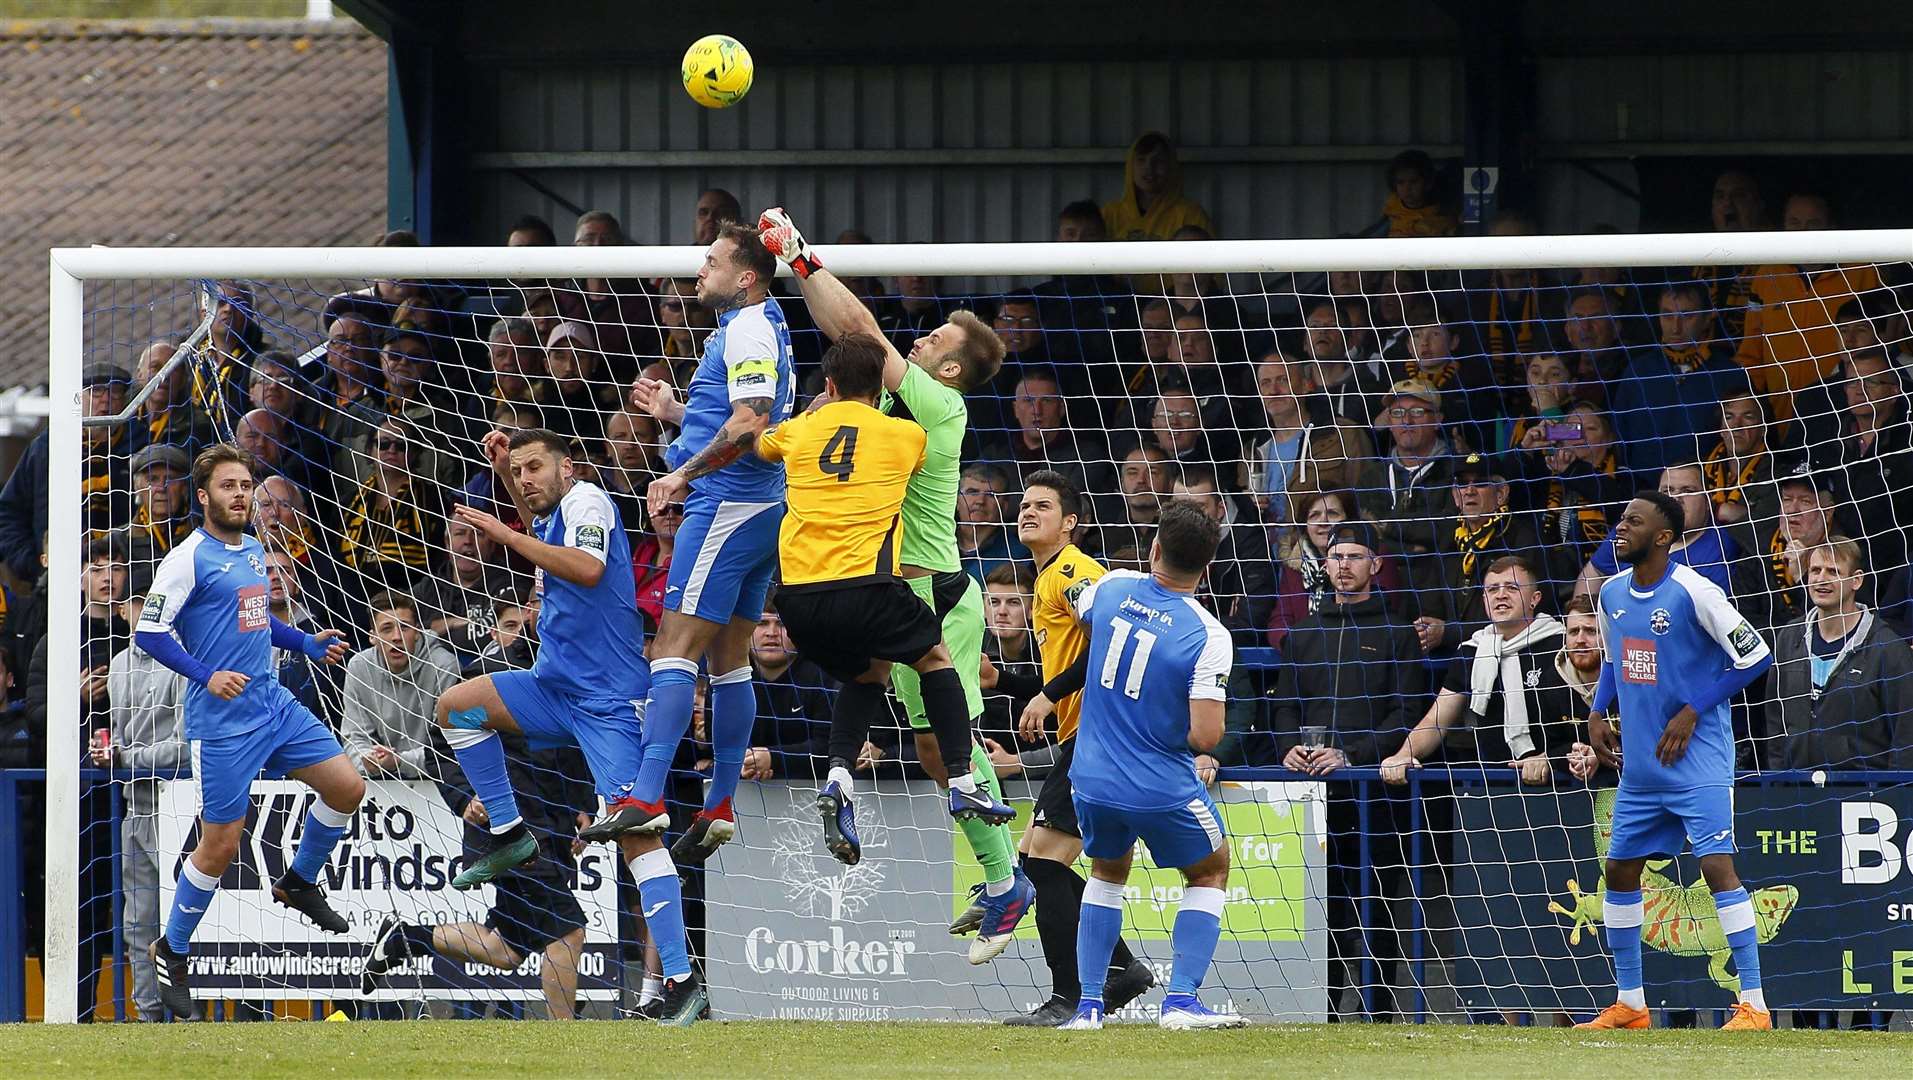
(747, 356)
(1664, 646)
(1151, 652)
(590, 642)
(214, 597)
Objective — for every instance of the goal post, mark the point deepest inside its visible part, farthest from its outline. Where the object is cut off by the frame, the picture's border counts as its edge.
(990, 272)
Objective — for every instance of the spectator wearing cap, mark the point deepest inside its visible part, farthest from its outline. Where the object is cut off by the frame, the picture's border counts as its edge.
(1773, 586)
(1872, 456)
(1449, 585)
(460, 597)
(105, 448)
(164, 509)
(168, 410)
(582, 394)
(146, 721)
(1411, 505)
(1044, 439)
(1466, 383)
(1666, 404)
(1350, 682)
(1842, 675)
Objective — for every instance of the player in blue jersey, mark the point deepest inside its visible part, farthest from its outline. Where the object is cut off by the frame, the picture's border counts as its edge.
(586, 688)
(726, 548)
(1675, 653)
(211, 591)
(1157, 674)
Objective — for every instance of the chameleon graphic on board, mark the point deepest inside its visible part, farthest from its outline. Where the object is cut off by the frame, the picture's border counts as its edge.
(1679, 920)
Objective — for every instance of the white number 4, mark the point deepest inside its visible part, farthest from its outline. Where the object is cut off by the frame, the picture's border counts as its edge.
(1145, 641)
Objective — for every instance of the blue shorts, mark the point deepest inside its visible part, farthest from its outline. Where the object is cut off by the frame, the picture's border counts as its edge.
(290, 739)
(1659, 823)
(608, 730)
(1179, 836)
(725, 557)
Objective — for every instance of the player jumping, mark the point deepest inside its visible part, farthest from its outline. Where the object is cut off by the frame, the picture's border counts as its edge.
(956, 357)
(1045, 522)
(586, 688)
(727, 545)
(1158, 674)
(212, 591)
(1676, 652)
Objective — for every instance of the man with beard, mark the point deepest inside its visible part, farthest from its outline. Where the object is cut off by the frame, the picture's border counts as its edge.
(1677, 653)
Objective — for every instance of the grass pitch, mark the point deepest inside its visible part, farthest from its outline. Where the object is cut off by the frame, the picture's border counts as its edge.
(766, 1050)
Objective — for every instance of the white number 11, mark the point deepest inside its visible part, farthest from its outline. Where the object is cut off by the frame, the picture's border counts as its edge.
(1145, 641)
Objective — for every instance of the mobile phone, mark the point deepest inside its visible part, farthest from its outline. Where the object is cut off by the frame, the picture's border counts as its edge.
(1562, 431)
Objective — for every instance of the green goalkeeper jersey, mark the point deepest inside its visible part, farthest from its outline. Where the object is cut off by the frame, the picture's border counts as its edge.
(929, 503)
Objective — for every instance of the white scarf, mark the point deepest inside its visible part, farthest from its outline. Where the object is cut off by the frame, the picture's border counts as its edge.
(1498, 660)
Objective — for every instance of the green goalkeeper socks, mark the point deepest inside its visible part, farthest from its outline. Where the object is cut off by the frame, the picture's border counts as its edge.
(990, 843)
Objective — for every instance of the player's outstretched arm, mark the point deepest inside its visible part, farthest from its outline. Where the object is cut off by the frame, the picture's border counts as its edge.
(749, 418)
(836, 309)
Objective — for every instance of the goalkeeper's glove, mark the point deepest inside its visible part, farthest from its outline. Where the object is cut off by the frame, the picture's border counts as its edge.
(783, 240)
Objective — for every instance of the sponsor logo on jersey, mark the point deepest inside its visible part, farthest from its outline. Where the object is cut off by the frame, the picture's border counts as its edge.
(253, 608)
(155, 608)
(1222, 681)
(591, 537)
(1075, 589)
(1745, 641)
(1640, 661)
(1660, 621)
(258, 567)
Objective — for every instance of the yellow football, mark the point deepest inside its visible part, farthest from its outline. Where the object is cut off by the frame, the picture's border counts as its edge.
(717, 71)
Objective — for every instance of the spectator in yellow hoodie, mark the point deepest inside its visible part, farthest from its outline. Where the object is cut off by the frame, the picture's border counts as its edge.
(1153, 206)
(1414, 207)
(1793, 338)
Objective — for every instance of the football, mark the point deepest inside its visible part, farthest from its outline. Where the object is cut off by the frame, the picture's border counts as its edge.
(717, 71)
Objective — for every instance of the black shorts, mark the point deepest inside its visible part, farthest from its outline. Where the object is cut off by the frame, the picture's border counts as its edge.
(842, 630)
(532, 912)
(1055, 801)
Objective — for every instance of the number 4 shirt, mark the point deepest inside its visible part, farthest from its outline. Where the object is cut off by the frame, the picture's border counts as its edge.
(1666, 645)
(846, 466)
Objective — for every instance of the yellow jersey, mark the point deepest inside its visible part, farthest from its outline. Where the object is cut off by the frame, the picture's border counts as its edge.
(846, 467)
(1060, 638)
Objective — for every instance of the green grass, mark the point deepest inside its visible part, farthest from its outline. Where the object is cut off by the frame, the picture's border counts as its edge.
(771, 1051)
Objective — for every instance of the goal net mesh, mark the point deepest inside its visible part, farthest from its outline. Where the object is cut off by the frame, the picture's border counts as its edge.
(1465, 417)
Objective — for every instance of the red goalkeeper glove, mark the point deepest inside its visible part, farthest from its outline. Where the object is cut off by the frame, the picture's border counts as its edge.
(783, 240)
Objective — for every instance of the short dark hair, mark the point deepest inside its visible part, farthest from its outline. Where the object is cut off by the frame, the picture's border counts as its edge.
(981, 351)
(1187, 538)
(532, 223)
(1199, 475)
(1068, 497)
(751, 253)
(1693, 290)
(1039, 373)
(1578, 604)
(106, 547)
(213, 457)
(559, 446)
(391, 600)
(1415, 160)
(1515, 562)
(1013, 574)
(1668, 507)
(855, 363)
(1083, 210)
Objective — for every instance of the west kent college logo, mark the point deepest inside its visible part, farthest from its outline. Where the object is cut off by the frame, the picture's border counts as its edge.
(1660, 621)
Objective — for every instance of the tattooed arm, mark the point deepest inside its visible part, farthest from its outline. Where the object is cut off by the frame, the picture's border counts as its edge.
(749, 417)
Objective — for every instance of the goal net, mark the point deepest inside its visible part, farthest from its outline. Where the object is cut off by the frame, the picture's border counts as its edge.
(1383, 428)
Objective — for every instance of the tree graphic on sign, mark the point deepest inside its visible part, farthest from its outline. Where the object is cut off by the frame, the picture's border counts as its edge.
(814, 881)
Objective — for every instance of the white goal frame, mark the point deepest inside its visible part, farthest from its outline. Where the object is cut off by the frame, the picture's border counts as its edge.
(72, 268)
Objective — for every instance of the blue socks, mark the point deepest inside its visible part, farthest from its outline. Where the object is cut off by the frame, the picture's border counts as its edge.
(191, 898)
(481, 754)
(733, 715)
(1097, 931)
(1622, 912)
(1736, 910)
(1198, 928)
(666, 719)
(323, 828)
(661, 902)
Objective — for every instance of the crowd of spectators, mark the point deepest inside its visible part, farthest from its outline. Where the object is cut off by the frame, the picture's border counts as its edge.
(1399, 461)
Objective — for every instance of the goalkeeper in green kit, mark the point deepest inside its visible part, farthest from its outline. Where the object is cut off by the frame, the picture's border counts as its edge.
(961, 355)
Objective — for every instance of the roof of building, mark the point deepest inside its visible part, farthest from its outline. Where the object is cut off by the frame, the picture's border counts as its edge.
(212, 132)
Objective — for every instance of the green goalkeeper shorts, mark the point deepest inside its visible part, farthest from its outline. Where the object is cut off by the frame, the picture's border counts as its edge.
(963, 636)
